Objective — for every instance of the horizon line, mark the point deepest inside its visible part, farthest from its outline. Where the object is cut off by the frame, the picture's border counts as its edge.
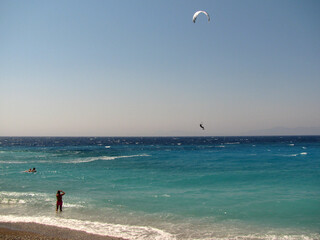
(146, 136)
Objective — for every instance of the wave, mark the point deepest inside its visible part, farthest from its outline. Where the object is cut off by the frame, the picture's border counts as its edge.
(99, 228)
(147, 232)
(269, 237)
(12, 201)
(70, 205)
(163, 195)
(292, 155)
(78, 160)
(15, 198)
(103, 158)
(14, 162)
(24, 162)
(22, 194)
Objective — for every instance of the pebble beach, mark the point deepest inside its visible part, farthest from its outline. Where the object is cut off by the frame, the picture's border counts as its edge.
(30, 231)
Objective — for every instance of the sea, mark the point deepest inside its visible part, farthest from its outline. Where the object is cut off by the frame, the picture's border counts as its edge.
(165, 188)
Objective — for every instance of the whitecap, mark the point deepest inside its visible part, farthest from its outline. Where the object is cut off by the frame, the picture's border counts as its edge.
(107, 146)
(103, 158)
(70, 205)
(303, 153)
(166, 195)
(23, 194)
(14, 162)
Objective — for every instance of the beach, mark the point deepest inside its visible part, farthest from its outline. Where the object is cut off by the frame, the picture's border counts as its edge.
(31, 231)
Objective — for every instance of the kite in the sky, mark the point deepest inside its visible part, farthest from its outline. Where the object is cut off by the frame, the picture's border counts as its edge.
(201, 125)
(197, 13)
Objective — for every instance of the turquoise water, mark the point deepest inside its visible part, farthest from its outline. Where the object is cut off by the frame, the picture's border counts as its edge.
(166, 188)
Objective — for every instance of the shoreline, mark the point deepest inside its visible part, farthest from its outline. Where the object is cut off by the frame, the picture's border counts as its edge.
(35, 231)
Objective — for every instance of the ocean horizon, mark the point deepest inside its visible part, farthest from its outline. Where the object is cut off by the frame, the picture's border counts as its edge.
(241, 187)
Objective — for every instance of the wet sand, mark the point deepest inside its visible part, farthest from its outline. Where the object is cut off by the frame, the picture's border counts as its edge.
(32, 231)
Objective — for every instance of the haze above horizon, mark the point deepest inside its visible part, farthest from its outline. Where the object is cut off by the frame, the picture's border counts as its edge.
(143, 68)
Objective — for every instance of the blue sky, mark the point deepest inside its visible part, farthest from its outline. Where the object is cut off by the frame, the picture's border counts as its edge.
(143, 68)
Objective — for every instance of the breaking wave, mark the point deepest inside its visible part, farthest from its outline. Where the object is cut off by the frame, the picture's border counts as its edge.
(103, 158)
(103, 229)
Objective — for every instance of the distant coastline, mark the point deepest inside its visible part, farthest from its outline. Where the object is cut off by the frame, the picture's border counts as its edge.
(284, 131)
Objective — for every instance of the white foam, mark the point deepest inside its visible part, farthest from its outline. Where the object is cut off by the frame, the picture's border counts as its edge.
(70, 205)
(163, 195)
(266, 237)
(293, 155)
(23, 162)
(104, 158)
(13, 162)
(107, 146)
(23, 194)
(16, 198)
(104, 229)
(166, 195)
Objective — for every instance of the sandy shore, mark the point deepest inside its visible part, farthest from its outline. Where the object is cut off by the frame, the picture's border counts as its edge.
(32, 231)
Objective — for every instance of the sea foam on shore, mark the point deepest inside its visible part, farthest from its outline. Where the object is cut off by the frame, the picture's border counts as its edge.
(102, 229)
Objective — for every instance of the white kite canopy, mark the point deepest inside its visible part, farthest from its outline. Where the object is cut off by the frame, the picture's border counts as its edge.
(197, 13)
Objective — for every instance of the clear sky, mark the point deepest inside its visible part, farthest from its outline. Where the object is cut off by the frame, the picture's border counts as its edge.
(143, 68)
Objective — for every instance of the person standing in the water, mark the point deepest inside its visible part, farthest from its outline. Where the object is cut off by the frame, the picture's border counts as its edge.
(59, 195)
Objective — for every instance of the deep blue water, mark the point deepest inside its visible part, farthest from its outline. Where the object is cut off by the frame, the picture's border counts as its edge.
(166, 187)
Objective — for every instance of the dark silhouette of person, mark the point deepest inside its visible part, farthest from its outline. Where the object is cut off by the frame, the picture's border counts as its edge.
(59, 195)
